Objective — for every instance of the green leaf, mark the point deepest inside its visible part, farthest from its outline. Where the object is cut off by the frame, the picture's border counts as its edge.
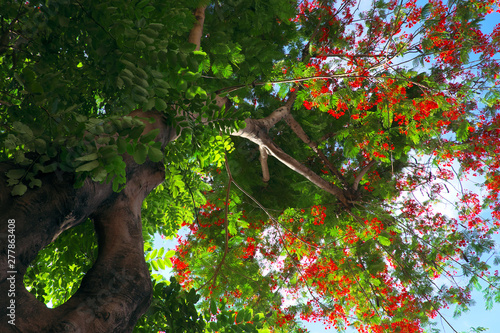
(213, 307)
(375, 282)
(121, 145)
(187, 47)
(424, 14)
(240, 316)
(50, 168)
(150, 136)
(16, 173)
(130, 148)
(463, 131)
(170, 254)
(89, 157)
(88, 166)
(19, 189)
(214, 326)
(40, 145)
(384, 240)
(193, 91)
(99, 175)
(160, 104)
(136, 132)
(35, 182)
(140, 154)
(140, 44)
(248, 314)
(22, 128)
(168, 263)
(155, 154)
(387, 116)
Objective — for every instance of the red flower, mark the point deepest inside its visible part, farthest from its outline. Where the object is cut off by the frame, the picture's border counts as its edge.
(308, 105)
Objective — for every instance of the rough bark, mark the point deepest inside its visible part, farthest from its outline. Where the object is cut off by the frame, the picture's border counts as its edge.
(117, 289)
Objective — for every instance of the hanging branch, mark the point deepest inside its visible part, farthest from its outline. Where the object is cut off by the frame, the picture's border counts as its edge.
(280, 113)
(263, 163)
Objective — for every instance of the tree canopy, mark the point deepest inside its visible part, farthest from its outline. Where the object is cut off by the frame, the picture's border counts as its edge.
(308, 149)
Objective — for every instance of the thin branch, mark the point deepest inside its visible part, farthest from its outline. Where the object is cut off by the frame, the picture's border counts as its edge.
(299, 271)
(300, 79)
(273, 219)
(241, 274)
(363, 289)
(478, 275)
(443, 318)
(93, 19)
(389, 253)
(5, 38)
(327, 136)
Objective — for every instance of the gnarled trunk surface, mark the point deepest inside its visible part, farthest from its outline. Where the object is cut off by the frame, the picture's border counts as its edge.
(117, 290)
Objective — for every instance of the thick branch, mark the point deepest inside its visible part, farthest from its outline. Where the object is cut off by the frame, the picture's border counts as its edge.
(117, 290)
(297, 129)
(257, 133)
(197, 30)
(280, 113)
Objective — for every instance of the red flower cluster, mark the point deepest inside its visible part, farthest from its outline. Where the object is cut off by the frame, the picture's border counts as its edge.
(424, 109)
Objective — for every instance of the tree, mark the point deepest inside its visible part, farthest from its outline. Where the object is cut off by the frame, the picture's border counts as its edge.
(139, 117)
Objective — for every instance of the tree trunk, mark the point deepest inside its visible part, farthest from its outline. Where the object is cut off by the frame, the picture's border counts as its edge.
(117, 290)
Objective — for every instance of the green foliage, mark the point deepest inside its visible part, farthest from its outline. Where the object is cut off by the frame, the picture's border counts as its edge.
(172, 310)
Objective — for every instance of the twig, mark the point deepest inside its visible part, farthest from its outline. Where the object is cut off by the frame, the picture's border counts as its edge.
(93, 19)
